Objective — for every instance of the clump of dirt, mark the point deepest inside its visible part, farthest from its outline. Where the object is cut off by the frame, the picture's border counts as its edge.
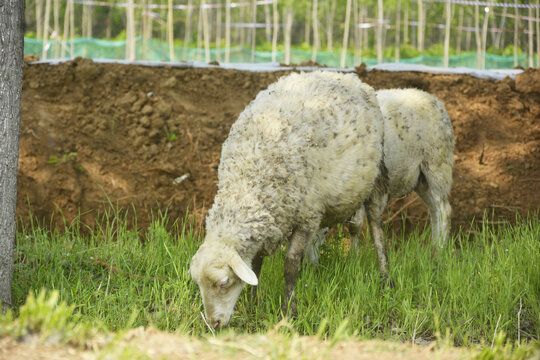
(99, 134)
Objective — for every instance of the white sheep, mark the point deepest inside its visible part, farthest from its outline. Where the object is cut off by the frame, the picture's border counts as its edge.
(303, 155)
(418, 156)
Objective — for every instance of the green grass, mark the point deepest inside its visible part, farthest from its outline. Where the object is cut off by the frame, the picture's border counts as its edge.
(475, 291)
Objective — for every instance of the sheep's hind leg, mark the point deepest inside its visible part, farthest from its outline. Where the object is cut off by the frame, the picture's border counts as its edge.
(375, 208)
(299, 240)
(439, 209)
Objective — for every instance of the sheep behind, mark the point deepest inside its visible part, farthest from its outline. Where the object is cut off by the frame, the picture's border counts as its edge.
(418, 156)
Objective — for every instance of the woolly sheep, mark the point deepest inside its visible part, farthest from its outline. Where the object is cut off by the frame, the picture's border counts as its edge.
(418, 155)
(303, 155)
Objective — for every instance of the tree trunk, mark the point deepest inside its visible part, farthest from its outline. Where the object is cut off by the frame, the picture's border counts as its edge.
(406, 26)
(345, 35)
(499, 38)
(307, 24)
(11, 65)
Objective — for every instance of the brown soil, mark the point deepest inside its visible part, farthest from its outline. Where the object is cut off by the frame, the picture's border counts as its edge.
(95, 134)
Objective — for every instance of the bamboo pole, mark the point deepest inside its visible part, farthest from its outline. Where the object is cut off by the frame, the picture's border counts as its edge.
(218, 33)
(83, 21)
(170, 30)
(448, 10)
(45, 46)
(66, 28)
(242, 30)
(361, 33)
(345, 35)
(287, 34)
(531, 43)
(275, 30)
(187, 28)
(379, 35)
(89, 24)
(468, 35)
(39, 24)
(145, 21)
(316, 42)
(228, 31)
(206, 31)
(398, 30)
(516, 28)
(253, 29)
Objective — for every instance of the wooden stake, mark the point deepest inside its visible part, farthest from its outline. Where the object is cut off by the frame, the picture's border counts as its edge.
(499, 38)
(199, 34)
(477, 37)
(72, 27)
(268, 23)
(307, 24)
(345, 35)
(275, 30)
(170, 30)
(316, 42)
(406, 26)
(130, 32)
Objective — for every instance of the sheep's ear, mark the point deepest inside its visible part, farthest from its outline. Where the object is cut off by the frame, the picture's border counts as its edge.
(242, 270)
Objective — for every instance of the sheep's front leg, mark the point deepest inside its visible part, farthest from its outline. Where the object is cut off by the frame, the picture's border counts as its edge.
(256, 266)
(300, 239)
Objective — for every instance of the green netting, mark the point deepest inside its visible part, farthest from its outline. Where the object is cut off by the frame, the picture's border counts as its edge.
(154, 50)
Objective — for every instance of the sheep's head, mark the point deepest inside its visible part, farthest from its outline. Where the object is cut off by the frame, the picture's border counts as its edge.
(221, 275)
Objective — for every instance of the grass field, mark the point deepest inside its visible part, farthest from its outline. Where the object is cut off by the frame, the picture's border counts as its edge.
(485, 286)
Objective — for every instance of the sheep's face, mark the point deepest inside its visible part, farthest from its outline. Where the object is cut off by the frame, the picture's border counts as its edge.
(221, 275)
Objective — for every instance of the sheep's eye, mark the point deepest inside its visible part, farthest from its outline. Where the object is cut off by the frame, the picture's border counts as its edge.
(223, 282)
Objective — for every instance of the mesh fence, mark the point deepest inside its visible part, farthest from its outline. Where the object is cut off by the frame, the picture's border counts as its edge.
(154, 50)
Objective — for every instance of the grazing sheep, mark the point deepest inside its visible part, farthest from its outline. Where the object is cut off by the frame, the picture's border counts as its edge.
(418, 155)
(303, 155)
